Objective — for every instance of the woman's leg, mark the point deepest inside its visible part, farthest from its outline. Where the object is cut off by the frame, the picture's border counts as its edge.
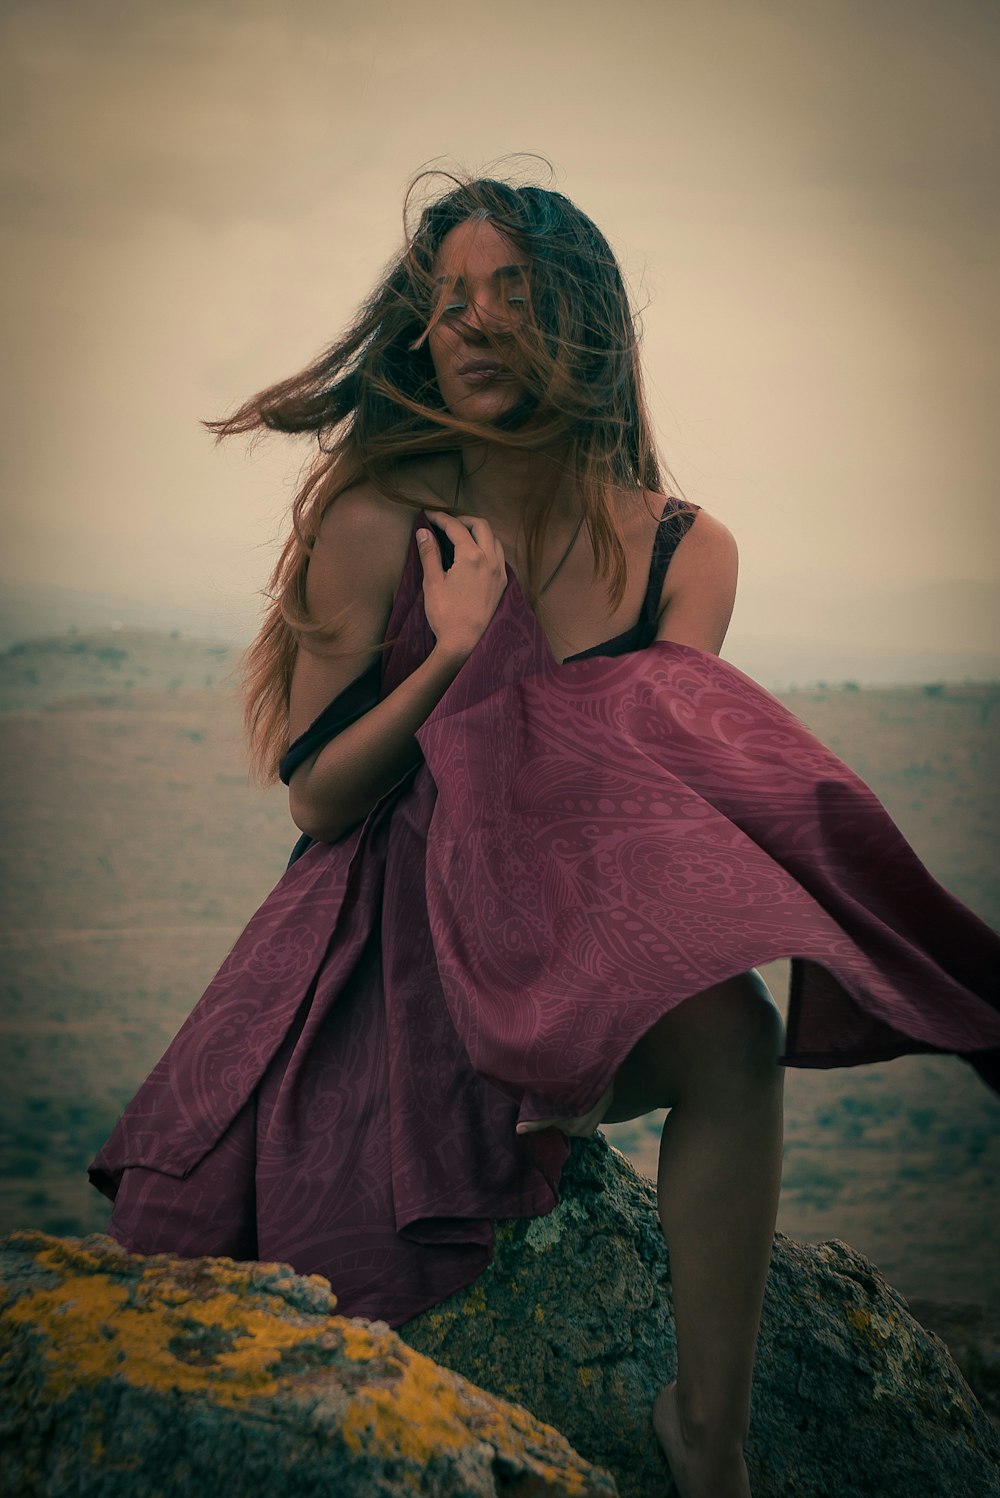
(713, 1062)
(717, 1191)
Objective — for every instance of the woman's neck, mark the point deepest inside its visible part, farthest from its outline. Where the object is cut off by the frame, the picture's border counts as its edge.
(504, 484)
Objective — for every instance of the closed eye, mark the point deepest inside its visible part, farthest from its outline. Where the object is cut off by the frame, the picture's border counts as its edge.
(453, 307)
(504, 276)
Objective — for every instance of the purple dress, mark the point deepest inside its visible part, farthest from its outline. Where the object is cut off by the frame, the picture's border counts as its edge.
(584, 845)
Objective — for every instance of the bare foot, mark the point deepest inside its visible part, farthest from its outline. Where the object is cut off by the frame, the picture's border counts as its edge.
(699, 1469)
(578, 1127)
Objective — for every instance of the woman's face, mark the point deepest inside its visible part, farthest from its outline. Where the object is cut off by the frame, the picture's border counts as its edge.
(483, 279)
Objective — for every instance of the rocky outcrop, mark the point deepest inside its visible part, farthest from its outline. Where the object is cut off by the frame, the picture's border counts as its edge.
(852, 1397)
(129, 1377)
(126, 1377)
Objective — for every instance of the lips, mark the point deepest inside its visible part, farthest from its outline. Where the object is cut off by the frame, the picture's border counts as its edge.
(478, 371)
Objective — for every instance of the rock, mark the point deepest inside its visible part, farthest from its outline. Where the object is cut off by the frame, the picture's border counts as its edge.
(126, 1376)
(972, 1335)
(574, 1320)
(129, 1377)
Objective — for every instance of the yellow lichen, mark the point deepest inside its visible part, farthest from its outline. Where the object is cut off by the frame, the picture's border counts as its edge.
(217, 1336)
(539, 1313)
(99, 1328)
(321, 1281)
(358, 1344)
(474, 1303)
(586, 1376)
(876, 1329)
(412, 1417)
(426, 1411)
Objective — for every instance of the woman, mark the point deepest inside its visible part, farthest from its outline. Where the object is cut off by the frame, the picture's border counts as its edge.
(547, 835)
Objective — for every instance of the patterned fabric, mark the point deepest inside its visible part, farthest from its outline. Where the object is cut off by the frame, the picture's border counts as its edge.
(365, 690)
(585, 846)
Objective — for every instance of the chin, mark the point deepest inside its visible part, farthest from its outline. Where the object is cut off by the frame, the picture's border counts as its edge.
(503, 409)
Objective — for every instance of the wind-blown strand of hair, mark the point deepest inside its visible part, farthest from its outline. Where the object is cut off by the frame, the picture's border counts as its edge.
(371, 401)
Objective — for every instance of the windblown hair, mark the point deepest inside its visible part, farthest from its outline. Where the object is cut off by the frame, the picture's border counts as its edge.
(373, 403)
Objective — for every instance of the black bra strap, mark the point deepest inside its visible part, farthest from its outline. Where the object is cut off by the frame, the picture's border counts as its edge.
(675, 522)
(361, 695)
(358, 698)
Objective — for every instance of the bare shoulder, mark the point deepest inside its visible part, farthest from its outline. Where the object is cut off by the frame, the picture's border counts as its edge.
(351, 582)
(362, 525)
(699, 590)
(352, 579)
(708, 548)
(376, 528)
(359, 553)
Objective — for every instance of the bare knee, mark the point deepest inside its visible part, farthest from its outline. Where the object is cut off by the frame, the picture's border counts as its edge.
(747, 1027)
(726, 1038)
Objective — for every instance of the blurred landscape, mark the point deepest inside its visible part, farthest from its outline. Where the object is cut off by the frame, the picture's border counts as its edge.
(134, 852)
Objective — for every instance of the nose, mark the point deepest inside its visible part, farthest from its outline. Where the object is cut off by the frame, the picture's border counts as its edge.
(486, 312)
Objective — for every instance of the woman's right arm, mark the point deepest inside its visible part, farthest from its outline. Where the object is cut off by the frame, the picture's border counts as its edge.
(353, 566)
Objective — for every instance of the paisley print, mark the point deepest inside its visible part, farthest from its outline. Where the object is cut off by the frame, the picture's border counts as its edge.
(585, 846)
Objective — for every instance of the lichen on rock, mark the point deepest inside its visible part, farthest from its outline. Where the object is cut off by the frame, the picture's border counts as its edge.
(130, 1375)
(852, 1397)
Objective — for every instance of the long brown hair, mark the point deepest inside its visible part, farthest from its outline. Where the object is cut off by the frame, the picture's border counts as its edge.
(373, 404)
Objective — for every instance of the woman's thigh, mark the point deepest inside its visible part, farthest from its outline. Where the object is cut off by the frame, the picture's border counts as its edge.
(727, 1036)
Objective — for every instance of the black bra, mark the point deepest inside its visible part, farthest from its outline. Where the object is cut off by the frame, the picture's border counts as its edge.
(675, 522)
(361, 695)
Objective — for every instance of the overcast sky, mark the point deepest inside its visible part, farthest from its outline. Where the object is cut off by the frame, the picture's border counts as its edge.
(197, 195)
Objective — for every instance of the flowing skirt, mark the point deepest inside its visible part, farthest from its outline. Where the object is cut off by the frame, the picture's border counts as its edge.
(583, 848)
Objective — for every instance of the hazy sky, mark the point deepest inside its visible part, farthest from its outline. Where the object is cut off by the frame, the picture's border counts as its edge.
(197, 195)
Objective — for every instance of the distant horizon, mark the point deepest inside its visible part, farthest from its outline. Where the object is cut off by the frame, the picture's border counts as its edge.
(776, 661)
(815, 283)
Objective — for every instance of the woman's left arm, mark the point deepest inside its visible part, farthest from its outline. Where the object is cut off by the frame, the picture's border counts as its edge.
(699, 589)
